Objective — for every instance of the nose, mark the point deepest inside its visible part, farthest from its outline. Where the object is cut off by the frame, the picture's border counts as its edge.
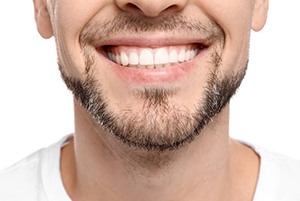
(151, 8)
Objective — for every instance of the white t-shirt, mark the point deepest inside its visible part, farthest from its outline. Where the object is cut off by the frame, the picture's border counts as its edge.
(37, 177)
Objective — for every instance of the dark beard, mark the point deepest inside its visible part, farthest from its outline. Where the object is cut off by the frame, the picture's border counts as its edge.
(159, 126)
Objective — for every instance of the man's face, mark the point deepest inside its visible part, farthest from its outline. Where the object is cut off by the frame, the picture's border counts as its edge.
(154, 74)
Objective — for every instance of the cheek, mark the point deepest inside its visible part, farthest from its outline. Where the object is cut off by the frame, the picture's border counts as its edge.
(234, 17)
(233, 13)
(69, 18)
(73, 15)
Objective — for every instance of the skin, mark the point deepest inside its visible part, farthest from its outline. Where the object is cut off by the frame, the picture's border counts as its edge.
(95, 165)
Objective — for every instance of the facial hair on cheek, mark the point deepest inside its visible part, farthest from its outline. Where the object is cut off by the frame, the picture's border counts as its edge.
(160, 126)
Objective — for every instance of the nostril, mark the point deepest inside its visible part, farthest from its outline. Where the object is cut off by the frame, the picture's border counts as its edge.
(132, 7)
(169, 10)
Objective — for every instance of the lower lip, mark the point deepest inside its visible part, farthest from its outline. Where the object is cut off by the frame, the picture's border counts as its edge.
(168, 74)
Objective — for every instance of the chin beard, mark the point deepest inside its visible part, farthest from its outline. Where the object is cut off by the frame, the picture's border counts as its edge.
(159, 126)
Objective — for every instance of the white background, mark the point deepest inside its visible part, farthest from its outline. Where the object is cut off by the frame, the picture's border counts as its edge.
(36, 108)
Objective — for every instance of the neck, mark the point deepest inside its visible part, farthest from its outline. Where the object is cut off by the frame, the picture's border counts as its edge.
(105, 169)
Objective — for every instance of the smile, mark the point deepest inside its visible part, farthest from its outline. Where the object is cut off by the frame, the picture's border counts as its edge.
(152, 58)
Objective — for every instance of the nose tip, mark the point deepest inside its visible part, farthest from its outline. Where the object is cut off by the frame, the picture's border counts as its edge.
(153, 8)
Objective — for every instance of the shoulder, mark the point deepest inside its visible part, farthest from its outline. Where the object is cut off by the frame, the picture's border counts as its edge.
(22, 180)
(29, 179)
(279, 177)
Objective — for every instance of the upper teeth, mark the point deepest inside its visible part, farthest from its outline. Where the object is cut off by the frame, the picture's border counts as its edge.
(151, 58)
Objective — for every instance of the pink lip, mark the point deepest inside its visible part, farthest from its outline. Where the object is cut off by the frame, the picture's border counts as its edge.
(147, 76)
(150, 41)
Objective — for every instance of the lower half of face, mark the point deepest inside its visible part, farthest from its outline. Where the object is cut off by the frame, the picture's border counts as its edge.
(154, 85)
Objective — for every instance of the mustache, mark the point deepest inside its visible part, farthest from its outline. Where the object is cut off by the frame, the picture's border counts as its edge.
(99, 30)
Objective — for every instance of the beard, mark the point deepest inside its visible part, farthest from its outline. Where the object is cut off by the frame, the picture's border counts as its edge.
(159, 125)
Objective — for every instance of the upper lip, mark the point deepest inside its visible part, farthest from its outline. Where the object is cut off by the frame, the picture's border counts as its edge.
(151, 41)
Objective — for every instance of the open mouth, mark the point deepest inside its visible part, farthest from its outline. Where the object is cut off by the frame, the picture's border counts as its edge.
(152, 58)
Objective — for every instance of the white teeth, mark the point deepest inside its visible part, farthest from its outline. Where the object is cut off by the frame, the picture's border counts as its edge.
(192, 54)
(151, 58)
(188, 55)
(124, 59)
(110, 55)
(173, 56)
(133, 58)
(118, 59)
(146, 57)
(161, 56)
(181, 55)
(195, 52)
(113, 57)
